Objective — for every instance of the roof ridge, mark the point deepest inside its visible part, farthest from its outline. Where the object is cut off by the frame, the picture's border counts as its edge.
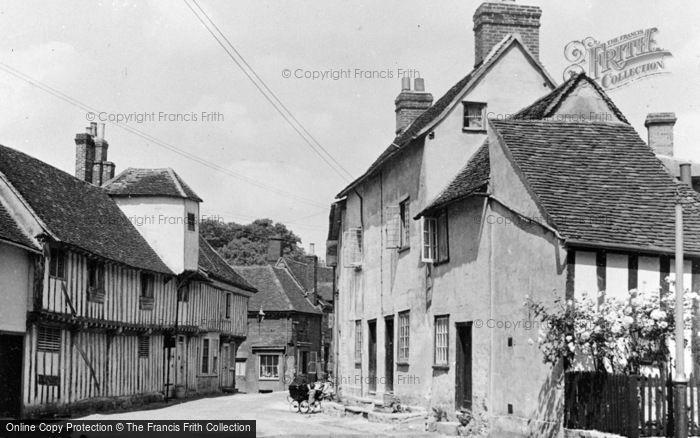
(177, 182)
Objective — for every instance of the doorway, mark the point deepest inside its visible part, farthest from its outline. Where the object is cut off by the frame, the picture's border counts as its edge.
(11, 351)
(372, 345)
(389, 353)
(463, 376)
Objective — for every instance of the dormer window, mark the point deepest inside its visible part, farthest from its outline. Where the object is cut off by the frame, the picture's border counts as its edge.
(191, 222)
(474, 116)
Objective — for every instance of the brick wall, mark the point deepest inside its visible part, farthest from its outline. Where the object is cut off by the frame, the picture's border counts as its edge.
(279, 335)
(493, 21)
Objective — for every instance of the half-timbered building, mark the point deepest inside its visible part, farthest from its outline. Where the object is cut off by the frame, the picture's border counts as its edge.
(93, 315)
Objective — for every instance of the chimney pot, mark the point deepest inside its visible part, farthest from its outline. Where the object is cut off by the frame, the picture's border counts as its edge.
(312, 249)
(660, 132)
(419, 84)
(686, 174)
(405, 83)
(100, 131)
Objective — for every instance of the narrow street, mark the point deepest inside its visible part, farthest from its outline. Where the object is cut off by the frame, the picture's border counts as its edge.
(273, 417)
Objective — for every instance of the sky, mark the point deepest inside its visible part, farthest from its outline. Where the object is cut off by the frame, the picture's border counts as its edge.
(145, 57)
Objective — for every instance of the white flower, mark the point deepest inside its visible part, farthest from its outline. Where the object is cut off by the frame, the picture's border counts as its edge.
(571, 346)
(569, 338)
(657, 314)
(663, 324)
(627, 321)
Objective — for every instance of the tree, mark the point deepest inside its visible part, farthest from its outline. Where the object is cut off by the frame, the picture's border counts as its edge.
(247, 244)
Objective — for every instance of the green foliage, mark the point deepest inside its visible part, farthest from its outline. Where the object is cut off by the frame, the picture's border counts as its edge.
(247, 244)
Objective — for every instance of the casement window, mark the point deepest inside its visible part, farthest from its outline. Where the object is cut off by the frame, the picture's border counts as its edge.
(474, 116)
(205, 356)
(48, 347)
(404, 224)
(210, 356)
(148, 282)
(241, 366)
(144, 347)
(435, 239)
(269, 367)
(96, 281)
(191, 222)
(57, 264)
(147, 285)
(229, 299)
(398, 225)
(352, 248)
(442, 327)
(358, 341)
(404, 335)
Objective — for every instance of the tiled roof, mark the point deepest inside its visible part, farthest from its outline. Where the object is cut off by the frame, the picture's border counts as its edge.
(600, 183)
(217, 268)
(78, 213)
(304, 274)
(468, 181)
(547, 106)
(150, 182)
(277, 291)
(441, 105)
(11, 231)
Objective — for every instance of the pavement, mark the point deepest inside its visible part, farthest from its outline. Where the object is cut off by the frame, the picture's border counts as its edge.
(273, 416)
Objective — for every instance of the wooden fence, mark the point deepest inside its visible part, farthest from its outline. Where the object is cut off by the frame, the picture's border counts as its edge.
(631, 406)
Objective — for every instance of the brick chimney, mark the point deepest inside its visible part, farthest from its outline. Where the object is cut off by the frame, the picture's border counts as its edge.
(274, 249)
(91, 163)
(660, 130)
(411, 103)
(493, 21)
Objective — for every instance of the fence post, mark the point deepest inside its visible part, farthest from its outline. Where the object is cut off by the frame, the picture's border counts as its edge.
(633, 407)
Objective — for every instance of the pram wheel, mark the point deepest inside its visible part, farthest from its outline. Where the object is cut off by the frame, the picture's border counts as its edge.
(304, 407)
(294, 406)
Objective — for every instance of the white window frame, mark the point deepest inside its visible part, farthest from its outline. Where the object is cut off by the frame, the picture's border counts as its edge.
(466, 118)
(275, 367)
(404, 336)
(441, 354)
(429, 240)
(241, 366)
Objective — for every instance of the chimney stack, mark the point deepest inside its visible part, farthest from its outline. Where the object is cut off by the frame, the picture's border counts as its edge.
(274, 249)
(91, 163)
(411, 103)
(493, 21)
(660, 131)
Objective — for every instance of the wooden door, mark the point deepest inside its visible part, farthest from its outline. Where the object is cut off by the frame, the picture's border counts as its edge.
(225, 372)
(389, 353)
(181, 362)
(372, 345)
(463, 375)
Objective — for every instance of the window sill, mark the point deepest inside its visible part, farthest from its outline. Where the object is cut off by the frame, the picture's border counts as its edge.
(474, 130)
(269, 379)
(441, 367)
(403, 249)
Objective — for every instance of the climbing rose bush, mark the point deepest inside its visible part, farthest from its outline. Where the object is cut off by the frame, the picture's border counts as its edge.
(610, 334)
